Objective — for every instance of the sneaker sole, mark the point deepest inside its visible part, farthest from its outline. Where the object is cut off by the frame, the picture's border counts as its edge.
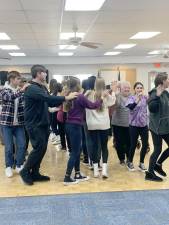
(143, 171)
(70, 183)
(131, 170)
(159, 174)
(82, 180)
(149, 179)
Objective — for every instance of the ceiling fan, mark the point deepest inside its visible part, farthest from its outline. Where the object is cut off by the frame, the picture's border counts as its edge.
(5, 58)
(76, 41)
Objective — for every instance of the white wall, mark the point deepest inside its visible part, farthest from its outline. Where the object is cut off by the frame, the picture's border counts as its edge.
(142, 70)
(142, 73)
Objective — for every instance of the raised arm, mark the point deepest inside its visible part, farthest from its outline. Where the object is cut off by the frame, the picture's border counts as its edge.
(88, 104)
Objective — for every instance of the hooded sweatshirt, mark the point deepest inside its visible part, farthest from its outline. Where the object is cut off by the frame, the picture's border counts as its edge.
(159, 112)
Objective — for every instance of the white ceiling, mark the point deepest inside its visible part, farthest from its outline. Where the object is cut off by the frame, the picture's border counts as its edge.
(34, 25)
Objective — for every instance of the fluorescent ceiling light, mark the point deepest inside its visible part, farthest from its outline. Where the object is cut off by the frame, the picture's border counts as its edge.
(4, 36)
(145, 35)
(17, 54)
(125, 46)
(83, 5)
(68, 47)
(66, 36)
(151, 56)
(65, 53)
(155, 52)
(9, 47)
(112, 53)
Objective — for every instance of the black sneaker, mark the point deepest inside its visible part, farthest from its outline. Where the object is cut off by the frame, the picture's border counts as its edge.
(86, 162)
(79, 177)
(122, 162)
(158, 169)
(70, 181)
(152, 177)
(40, 178)
(26, 177)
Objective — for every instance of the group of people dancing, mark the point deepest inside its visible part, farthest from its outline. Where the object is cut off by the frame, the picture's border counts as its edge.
(84, 116)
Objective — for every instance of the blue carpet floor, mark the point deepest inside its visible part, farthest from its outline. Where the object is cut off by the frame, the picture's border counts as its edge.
(115, 208)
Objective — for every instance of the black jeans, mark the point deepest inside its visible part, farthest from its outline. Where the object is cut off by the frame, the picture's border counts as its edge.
(39, 139)
(62, 134)
(157, 142)
(122, 141)
(84, 145)
(54, 123)
(99, 139)
(74, 132)
(134, 134)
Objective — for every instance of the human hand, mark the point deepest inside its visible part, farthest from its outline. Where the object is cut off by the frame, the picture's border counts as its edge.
(24, 87)
(114, 86)
(71, 96)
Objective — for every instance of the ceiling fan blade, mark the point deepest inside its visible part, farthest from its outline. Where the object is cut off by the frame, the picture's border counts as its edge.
(90, 44)
(5, 58)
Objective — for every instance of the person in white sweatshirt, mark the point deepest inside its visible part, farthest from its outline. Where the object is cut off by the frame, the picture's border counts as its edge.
(98, 123)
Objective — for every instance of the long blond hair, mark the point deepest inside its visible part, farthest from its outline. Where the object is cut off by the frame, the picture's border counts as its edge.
(100, 87)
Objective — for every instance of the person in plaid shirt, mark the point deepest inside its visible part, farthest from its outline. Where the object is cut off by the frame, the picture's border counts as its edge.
(12, 122)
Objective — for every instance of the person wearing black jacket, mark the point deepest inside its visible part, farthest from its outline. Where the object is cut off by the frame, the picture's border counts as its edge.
(37, 101)
(158, 104)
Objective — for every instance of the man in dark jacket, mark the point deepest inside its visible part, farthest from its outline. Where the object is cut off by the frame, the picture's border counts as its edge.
(37, 101)
(158, 104)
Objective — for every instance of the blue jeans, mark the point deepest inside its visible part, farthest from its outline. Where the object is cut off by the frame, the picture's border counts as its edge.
(9, 132)
(74, 131)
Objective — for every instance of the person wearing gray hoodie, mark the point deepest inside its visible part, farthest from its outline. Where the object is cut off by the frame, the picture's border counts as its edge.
(158, 104)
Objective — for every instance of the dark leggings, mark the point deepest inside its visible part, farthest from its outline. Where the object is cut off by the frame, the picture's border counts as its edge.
(99, 136)
(134, 134)
(157, 142)
(122, 141)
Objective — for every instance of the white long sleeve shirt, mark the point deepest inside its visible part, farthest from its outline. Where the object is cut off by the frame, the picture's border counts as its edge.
(100, 120)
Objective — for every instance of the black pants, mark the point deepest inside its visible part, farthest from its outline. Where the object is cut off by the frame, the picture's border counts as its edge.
(134, 134)
(74, 132)
(157, 142)
(84, 146)
(122, 141)
(54, 123)
(39, 139)
(99, 138)
(26, 139)
(62, 134)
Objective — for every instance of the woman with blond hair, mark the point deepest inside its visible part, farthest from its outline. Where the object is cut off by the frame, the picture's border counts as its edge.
(98, 123)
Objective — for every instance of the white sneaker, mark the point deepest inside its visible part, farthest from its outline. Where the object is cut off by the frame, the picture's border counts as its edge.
(96, 171)
(104, 171)
(8, 172)
(18, 169)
